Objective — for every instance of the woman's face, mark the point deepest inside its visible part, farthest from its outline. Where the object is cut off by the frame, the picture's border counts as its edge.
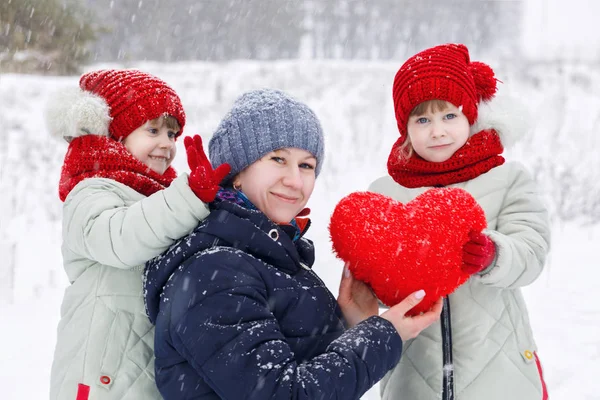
(280, 183)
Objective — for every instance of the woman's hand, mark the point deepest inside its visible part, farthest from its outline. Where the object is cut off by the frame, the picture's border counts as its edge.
(356, 299)
(409, 327)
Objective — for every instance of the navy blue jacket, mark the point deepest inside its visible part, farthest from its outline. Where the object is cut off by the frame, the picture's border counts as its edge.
(239, 314)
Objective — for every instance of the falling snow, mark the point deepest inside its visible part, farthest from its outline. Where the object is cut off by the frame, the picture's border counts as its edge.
(562, 301)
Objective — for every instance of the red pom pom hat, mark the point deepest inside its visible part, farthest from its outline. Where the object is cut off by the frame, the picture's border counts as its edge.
(133, 97)
(94, 118)
(443, 72)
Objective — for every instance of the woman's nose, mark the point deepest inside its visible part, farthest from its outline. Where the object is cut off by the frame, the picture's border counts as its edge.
(293, 179)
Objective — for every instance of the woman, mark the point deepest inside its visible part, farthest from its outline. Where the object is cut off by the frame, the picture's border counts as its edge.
(238, 311)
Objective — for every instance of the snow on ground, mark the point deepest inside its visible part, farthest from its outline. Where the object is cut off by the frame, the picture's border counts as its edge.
(354, 103)
(562, 304)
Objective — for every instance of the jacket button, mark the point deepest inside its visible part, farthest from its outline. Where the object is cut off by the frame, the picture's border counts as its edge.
(528, 354)
(274, 234)
(105, 379)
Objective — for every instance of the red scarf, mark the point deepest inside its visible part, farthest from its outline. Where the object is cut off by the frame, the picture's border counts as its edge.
(93, 156)
(478, 155)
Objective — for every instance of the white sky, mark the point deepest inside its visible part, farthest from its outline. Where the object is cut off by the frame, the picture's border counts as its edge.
(566, 27)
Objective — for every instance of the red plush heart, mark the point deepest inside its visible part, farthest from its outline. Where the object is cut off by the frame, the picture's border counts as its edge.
(398, 249)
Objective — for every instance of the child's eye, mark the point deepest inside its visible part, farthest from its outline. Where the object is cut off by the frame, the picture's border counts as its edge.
(279, 160)
(153, 130)
(172, 134)
(450, 116)
(422, 120)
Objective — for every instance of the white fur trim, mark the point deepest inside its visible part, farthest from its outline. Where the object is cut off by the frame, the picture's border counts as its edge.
(507, 115)
(72, 112)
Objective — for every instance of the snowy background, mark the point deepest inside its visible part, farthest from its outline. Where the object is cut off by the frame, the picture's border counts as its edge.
(560, 83)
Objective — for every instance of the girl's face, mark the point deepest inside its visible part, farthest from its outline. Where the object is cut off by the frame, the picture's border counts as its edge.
(153, 144)
(280, 183)
(437, 135)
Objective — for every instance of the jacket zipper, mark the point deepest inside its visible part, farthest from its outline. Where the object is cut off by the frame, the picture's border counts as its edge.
(306, 267)
(448, 367)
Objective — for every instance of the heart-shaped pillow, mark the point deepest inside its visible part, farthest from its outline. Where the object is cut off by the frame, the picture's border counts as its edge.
(400, 248)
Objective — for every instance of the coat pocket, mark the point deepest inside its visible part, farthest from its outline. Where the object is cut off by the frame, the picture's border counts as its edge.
(519, 319)
(115, 348)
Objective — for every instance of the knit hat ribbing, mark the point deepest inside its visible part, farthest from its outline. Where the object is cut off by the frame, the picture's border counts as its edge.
(133, 98)
(442, 72)
(262, 121)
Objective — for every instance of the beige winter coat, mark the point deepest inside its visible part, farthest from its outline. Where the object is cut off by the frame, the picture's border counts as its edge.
(105, 340)
(493, 347)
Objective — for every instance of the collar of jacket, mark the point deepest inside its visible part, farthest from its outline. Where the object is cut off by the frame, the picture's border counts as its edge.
(252, 232)
(295, 229)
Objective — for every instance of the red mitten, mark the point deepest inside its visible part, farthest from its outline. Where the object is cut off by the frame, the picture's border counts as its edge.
(478, 253)
(204, 180)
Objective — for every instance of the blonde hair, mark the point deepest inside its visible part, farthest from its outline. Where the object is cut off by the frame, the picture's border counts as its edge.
(406, 151)
(166, 120)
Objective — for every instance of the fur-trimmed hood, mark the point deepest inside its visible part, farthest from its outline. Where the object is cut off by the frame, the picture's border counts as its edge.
(507, 115)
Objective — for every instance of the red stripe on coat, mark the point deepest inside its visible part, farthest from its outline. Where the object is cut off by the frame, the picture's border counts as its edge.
(83, 392)
(541, 372)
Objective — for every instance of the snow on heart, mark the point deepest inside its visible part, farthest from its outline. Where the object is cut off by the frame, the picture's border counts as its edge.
(400, 248)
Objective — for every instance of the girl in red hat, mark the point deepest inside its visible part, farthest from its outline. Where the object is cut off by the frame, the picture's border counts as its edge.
(452, 134)
(123, 205)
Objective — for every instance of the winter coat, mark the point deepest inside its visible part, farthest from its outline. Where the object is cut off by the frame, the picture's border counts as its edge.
(493, 346)
(105, 340)
(240, 315)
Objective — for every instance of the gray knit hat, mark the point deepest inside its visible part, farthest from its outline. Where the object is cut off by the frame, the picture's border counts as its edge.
(262, 121)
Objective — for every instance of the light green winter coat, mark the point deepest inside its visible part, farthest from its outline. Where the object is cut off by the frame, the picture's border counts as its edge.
(105, 340)
(493, 346)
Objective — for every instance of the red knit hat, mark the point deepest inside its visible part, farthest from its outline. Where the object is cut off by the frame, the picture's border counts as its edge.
(446, 73)
(94, 118)
(133, 97)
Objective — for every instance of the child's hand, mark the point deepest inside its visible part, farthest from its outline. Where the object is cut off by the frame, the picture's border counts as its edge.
(356, 299)
(410, 327)
(478, 253)
(204, 181)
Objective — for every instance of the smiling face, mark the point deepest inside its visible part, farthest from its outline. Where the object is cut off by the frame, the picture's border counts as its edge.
(280, 183)
(154, 143)
(436, 133)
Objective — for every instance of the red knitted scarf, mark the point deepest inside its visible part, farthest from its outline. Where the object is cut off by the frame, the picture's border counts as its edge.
(93, 156)
(478, 155)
